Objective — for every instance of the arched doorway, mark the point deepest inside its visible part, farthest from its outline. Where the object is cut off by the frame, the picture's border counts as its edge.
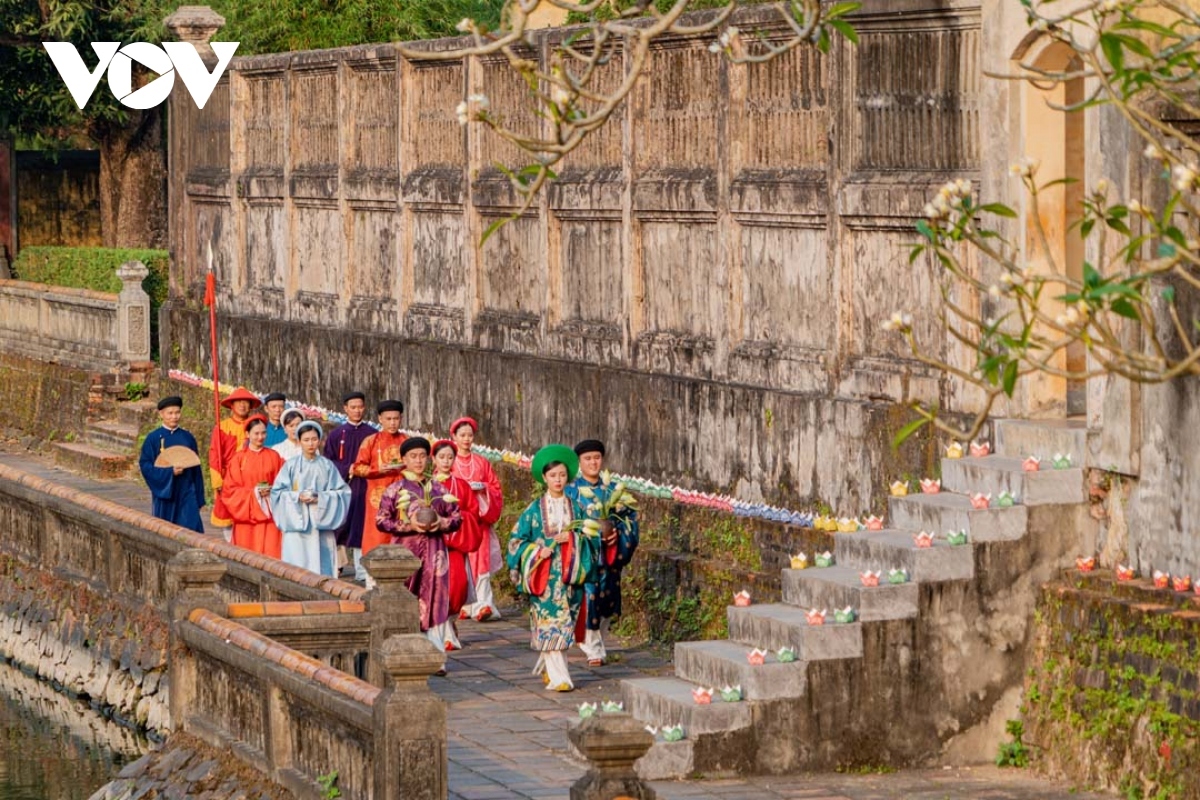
(1055, 138)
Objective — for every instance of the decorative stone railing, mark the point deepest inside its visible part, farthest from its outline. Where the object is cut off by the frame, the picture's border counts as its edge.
(78, 327)
(125, 552)
(293, 717)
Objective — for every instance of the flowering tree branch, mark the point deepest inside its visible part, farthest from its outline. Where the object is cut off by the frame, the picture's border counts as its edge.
(572, 93)
(1123, 304)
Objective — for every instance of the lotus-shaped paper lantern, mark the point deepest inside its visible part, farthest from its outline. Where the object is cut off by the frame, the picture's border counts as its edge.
(923, 539)
(1085, 564)
(1181, 583)
(815, 617)
(1125, 573)
(874, 523)
(954, 450)
(870, 578)
(741, 599)
(848, 525)
(956, 537)
(731, 694)
(652, 730)
(980, 501)
(1061, 461)
(980, 449)
(702, 696)
(1006, 499)
(587, 710)
(756, 657)
(1031, 464)
(785, 655)
(1161, 579)
(824, 559)
(844, 615)
(899, 488)
(672, 733)
(612, 707)
(799, 561)
(897, 576)
(931, 485)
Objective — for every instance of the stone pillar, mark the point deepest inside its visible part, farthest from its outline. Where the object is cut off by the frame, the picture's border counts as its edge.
(410, 723)
(133, 313)
(611, 743)
(196, 26)
(192, 578)
(393, 609)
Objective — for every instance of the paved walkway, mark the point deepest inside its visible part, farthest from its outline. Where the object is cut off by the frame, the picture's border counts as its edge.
(507, 735)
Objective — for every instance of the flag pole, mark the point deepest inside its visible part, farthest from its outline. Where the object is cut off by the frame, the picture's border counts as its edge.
(210, 300)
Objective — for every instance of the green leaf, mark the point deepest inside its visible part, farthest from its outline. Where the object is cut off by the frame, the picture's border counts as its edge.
(1124, 308)
(1010, 378)
(915, 253)
(999, 209)
(495, 226)
(1168, 294)
(1091, 278)
(841, 9)
(908, 430)
(845, 29)
(1111, 45)
(1085, 228)
(1166, 250)
(924, 229)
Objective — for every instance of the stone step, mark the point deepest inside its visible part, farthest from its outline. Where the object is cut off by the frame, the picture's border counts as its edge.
(668, 701)
(92, 461)
(942, 512)
(892, 549)
(112, 435)
(667, 760)
(776, 625)
(838, 587)
(1019, 438)
(139, 414)
(994, 474)
(723, 663)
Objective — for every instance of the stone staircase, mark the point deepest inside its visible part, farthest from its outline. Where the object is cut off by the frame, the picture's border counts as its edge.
(108, 448)
(724, 737)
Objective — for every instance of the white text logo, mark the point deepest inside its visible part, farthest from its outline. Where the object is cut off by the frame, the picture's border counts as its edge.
(166, 60)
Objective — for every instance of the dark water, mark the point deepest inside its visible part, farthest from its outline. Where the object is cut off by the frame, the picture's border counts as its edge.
(53, 747)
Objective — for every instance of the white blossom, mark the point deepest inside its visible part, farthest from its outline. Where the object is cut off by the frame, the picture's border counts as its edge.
(1025, 167)
(1183, 177)
(1102, 187)
(1153, 152)
(464, 25)
(1136, 207)
(994, 291)
(898, 322)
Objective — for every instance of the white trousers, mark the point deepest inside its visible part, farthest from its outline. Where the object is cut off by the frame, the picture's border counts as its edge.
(360, 572)
(593, 642)
(315, 552)
(451, 636)
(483, 597)
(554, 664)
(439, 635)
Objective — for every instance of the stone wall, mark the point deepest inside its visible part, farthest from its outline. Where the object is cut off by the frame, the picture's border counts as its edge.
(45, 401)
(704, 282)
(1112, 699)
(58, 198)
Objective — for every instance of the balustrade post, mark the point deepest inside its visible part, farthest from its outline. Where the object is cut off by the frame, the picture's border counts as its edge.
(410, 758)
(192, 577)
(393, 609)
(133, 313)
(611, 743)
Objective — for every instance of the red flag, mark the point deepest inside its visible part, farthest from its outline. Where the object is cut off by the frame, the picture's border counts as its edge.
(210, 290)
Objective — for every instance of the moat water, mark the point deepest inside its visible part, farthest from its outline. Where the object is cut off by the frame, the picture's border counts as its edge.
(53, 747)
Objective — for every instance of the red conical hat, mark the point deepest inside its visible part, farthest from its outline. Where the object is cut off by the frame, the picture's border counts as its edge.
(242, 393)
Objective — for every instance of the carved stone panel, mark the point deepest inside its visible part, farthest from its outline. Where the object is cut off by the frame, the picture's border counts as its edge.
(429, 92)
(439, 250)
(593, 265)
(264, 122)
(783, 121)
(512, 277)
(787, 287)
(319, 246)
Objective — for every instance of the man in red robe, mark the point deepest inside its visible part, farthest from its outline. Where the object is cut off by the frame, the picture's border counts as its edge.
(380, 464)
(228, 436)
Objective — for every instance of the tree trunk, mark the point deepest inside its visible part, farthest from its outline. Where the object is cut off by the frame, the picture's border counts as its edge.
(133, 181)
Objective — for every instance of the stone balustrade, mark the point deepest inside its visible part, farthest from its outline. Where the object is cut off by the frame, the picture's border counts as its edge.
(292, 716)
(78, 327)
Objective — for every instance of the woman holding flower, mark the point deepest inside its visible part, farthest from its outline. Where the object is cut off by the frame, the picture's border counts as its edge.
(247, 491)
(309, 500)
(550, 557)
(418, 513)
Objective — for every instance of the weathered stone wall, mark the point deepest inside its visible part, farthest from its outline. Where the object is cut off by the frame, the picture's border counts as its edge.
(58, 198)
(76, 327)
(1112, 699)
(704, 282)
(43, 401)
(104, 649)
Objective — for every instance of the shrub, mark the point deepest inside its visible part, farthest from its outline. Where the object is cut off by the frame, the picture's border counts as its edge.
(95, 268)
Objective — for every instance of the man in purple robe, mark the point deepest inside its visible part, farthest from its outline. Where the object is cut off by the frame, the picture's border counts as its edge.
(341, 447)
(417, 511)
